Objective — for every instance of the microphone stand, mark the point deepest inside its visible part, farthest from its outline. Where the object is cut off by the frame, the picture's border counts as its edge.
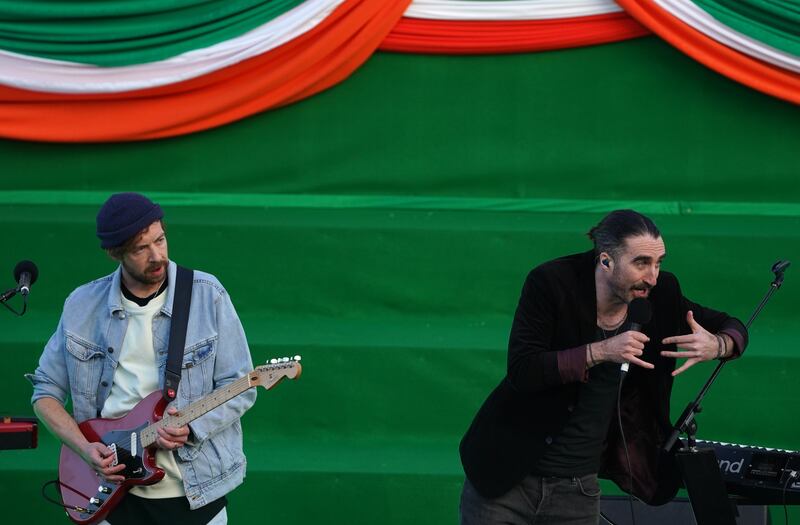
(700, 467)
(17, 432)
(8, 294)
(11, 292)
(686, 423)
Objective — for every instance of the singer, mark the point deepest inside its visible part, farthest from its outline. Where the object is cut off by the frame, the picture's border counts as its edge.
(535, 448)
(109, 352)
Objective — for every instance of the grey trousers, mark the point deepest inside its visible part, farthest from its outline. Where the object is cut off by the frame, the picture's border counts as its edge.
(535, 500)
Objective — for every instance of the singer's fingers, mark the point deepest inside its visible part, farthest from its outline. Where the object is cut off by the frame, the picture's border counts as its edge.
(634, 347)
(630, 340)
(638, 362)
(681, 355)
(688, 364)
(679, 339)
(693, 325)
(636, 336)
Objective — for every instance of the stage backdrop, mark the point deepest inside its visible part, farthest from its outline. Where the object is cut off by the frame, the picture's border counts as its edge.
(382, 230)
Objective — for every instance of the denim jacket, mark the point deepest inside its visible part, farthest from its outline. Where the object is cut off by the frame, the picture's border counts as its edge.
(80, 359)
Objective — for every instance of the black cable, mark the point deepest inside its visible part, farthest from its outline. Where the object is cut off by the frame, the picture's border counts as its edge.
(607, 518)
(12, 310)
(60, 504)
(625, 446)
(792, 475)
(24, 306)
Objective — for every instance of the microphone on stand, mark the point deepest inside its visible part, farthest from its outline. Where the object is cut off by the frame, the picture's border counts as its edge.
(639, 314)
(778, 268)
(25, 273)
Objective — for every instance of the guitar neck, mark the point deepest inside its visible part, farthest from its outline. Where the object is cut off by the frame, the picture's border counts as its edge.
(202, 406)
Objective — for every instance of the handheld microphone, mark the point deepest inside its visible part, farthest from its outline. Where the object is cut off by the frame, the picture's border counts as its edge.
(639, 313)
(25, 273)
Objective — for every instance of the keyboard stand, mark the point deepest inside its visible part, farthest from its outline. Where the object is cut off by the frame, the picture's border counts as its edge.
(703, 481)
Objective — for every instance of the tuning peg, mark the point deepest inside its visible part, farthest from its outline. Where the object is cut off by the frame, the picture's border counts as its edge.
(285, 359)
(273, 361)
(297, 358)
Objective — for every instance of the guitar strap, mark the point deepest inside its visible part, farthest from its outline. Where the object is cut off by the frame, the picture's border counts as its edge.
(181, 301)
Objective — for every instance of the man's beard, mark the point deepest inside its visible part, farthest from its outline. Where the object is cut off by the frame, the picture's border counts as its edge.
(625, 293)
(146, 277)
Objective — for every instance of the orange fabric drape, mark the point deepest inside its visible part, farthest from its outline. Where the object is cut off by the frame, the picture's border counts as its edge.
(738, 66)
(311, 63)
(412, 35)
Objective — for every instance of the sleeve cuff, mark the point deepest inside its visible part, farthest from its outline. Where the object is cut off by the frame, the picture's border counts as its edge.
(572, 365)
(738, 342)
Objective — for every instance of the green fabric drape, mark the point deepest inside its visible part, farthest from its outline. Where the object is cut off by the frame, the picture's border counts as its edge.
(772, 22)
(125, 32)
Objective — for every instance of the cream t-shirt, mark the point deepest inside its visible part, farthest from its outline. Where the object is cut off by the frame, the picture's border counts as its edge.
(135, 378)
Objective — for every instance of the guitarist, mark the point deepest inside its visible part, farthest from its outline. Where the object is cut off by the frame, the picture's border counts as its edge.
(109, 351)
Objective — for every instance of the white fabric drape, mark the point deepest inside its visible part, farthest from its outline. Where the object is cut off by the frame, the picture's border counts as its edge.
(508, 9)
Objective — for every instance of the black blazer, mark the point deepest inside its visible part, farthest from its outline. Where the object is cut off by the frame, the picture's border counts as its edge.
(557, 311)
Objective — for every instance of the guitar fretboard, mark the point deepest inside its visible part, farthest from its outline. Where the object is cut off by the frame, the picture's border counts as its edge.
(202, 406)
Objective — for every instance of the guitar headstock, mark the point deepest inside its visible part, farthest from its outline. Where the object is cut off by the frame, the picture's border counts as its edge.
(269, 374)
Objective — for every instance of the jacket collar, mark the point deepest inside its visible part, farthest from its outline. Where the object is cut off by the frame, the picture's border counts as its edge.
(115, 292)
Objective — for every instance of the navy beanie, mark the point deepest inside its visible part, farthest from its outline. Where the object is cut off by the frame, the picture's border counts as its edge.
(124, 215)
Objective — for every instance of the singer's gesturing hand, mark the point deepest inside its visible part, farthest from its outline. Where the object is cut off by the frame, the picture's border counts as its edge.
(622, 348)
(700, 345)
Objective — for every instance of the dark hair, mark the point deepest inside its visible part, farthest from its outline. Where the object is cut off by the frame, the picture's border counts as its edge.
(610, 233)
(117, 252)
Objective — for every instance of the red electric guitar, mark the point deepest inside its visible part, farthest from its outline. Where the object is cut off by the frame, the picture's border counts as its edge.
(88, 497)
